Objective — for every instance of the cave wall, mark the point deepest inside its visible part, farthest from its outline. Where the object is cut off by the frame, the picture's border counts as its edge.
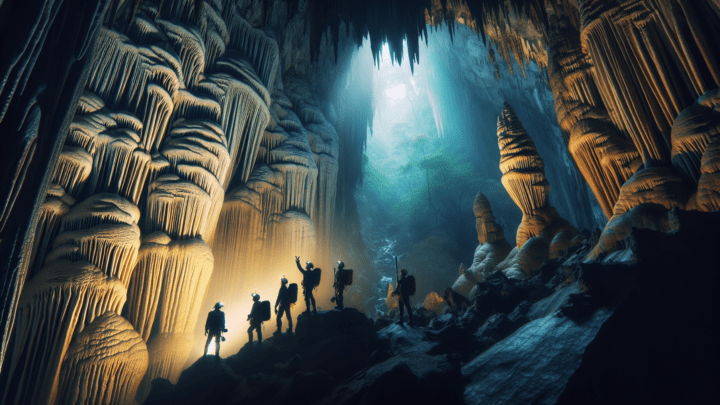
(182, 101)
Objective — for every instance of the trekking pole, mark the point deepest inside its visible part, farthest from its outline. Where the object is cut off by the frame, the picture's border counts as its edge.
(397, 278)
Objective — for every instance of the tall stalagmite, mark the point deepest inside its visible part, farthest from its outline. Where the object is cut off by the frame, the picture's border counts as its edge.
(524, 179)
(492, 250)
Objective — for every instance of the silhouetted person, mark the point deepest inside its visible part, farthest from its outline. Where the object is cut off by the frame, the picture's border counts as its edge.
(283, 300)
(308, 284)
(255, 319)
(339, 287)
(456, 301)
(403, 290)
(214, 327)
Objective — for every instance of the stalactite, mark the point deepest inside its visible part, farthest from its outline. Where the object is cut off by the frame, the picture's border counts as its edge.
(694, 129)
(121, 72)
(104, 364)
(214, 31)
(103, 231)
(605, 159)
(73, 169)
(56, 205)
(189, 105)
(644, 75)
(177, 207)
(655, 185)
(54, 307)
(261, 50)
(200, 142)
(245, 116)
(89, 103)
(188, 44)
(707, 196)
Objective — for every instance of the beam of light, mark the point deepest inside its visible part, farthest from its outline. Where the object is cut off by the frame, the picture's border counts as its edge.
(211, 347)
(396, 92)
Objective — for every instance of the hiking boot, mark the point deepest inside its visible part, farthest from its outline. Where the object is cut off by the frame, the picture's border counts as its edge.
(288, 330)
(314, 311)
(277, 332)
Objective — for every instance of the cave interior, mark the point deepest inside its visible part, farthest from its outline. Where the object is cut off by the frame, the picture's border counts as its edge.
(548, 171)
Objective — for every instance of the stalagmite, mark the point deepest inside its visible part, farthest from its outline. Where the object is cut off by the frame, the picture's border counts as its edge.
(487, 229)
(104, 364)
(524, 179)
(103, 231)
(528, 259)
(64, 297)
(491, 251)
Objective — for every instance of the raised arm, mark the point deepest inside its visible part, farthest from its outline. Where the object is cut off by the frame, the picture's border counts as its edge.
(297, 262)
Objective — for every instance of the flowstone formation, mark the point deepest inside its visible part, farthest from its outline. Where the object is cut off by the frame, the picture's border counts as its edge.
(524, 179)
(491, 251)
(105, 363)
(182, 99)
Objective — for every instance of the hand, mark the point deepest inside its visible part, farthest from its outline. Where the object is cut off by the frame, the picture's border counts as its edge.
(205, 333)
(275, 311)
(297, 258)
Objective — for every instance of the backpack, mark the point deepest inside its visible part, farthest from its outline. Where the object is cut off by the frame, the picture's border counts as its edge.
(291, 294)
(265, 311)
(345, 277)
(316, 277)
(410, 286)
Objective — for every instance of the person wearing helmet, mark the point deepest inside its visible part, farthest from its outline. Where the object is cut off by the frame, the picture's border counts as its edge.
(214, 327)
(283, 300)
(308, 284)
(402, 290)
(339, 287)
(255, 319)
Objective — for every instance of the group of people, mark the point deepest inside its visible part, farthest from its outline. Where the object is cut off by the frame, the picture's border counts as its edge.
(404, 289)
(215, 323)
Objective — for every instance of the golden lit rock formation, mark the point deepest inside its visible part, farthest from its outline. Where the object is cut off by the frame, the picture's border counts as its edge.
(64, 297)
(491, 251)
(104, 364)
(605, 159)
(646, 67)
(524, 179)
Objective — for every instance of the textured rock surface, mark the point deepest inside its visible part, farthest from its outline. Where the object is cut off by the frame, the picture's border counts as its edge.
(104, 364)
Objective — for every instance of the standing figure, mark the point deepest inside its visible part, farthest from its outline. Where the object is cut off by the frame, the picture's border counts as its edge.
(404, 289)
(214, 327)
(255, 319)
(455, 301)
(308, 284)
(339, 286)
(283, 300)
